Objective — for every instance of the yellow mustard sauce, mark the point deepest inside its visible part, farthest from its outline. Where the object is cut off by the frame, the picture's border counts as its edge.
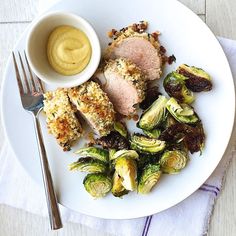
(68, 50)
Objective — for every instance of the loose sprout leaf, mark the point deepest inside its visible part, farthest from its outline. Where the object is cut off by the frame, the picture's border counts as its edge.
(155, 133)
(192, 137)
(121, 128)
(149, 178)
(154, 115)
(113, 140)
(89, 165)
(174, 85)
(94, 152)
(173, 161)
(97, 185)
(151, 96)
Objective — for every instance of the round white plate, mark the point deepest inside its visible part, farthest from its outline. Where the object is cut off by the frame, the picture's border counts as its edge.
(189, 39)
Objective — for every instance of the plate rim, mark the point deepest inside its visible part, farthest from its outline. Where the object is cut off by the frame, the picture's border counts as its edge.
(229, 137)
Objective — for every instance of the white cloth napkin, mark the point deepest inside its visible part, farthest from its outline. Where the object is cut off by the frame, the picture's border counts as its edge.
(190, 217)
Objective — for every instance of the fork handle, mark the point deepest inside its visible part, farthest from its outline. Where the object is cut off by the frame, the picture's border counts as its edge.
(53, 209)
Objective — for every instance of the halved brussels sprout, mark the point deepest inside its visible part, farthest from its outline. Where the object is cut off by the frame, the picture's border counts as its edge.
(89, 165)
(174, 85)
(154, 115)
(149, 177)
(145, 144)
(155, 133)
(126, 168)
(181, 112)
(94, 152)
(125, 153)
(97, 185)
(198, 80)
(120, 128)
(118, 189)
(173, 161)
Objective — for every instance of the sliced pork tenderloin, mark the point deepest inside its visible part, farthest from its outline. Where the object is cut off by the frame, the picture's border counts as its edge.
(124, 84)
(94, 105)
(141, 48)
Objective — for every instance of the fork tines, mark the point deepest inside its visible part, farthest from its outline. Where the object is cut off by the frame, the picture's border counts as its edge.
(26, 86)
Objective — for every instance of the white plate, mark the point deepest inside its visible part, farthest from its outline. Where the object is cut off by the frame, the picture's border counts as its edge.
(188, 38)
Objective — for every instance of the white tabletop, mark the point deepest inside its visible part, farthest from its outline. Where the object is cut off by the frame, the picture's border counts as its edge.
(15, 15)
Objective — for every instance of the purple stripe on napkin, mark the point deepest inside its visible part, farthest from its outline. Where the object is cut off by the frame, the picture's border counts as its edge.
(209, 190)
(212, 186)
(146, 225)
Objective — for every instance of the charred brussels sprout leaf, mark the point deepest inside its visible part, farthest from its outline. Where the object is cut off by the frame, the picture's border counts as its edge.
(126, 168)
(181, 112)
(125, 153)
(173, 161)
(94, 152)
(89, 165)
(151, 96)
(154, 115)
(144, 144)
(198, 80)
(149, 177)
(120, 128)
(174, 85)
(193, 138)
(113, 140)
(118, 189)
(97, 185)
(155, 133)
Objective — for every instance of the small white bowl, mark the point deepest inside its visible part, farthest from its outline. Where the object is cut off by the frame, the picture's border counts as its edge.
(36, 49)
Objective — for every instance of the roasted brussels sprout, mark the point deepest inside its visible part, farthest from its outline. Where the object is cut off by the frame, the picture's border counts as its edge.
(149, 177)
(94, 152)
(113, 140)
(118, 189)
(155, 133)
(145, 144)
(97, 185)
(89, 165)
(125, 153)
(198, 80)
(126, 168)
(181, 112)
(154, 115)
(152, 95)
(173, 161)
(120, 128)
(193, 138)
(174, 85)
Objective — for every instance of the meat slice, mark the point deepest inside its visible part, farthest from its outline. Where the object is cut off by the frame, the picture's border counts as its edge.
(62, 122)
(141, 52)
(94, 105)
(125, 85)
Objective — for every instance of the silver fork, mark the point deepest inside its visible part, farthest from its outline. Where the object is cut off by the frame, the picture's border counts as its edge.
(31, 93)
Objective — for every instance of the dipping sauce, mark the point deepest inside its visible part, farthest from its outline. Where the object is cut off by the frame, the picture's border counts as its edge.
(68, 50)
